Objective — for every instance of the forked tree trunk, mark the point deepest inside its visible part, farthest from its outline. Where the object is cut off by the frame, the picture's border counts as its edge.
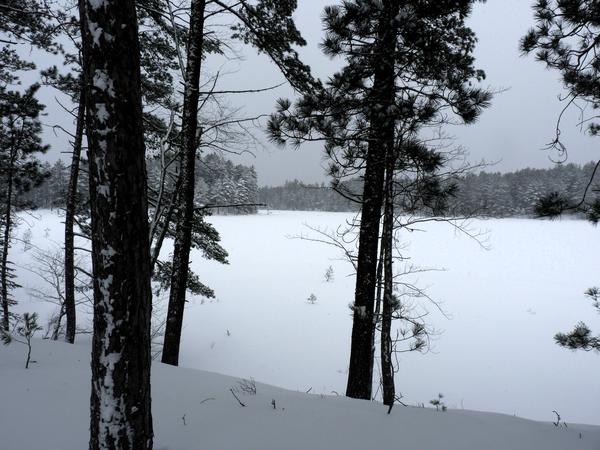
(70, 221)
(120, 399)
(183, 233)
(360, 372)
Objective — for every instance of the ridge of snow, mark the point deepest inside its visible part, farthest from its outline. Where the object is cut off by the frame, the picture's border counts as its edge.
(195, 410)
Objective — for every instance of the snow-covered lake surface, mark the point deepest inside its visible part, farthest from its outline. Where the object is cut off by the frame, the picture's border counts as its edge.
(495, 350)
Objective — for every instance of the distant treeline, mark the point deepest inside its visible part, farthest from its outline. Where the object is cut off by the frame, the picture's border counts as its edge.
(513, 194)
(229, 188)
(491, 194)
(224, 187)
(297, 196)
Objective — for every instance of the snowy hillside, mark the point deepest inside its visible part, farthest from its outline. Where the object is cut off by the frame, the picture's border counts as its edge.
(46, 407)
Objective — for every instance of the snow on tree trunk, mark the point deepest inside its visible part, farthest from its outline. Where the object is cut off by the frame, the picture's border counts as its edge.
(120, 399)
(183, 233)
(69, 224)
(360, 373)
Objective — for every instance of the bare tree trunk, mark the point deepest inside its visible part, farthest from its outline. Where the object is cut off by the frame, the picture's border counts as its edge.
(56, 331)
(162, 234)
(120, 412)
(183, 233)
(165, 203)
(378, 300)
(6, 244)
(387, 368)
(69, 223)
(360, 373)
(28, 353)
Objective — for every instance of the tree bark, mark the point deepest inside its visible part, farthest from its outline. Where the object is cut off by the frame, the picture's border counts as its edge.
(378, 300)
(387, 368)
(183, 232)
(120, 412)
(6, 243)
(360, 372)
(71, 204)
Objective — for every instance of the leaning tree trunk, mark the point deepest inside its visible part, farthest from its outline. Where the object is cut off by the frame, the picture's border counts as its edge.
(360, 372)
(69, 223)
(183, 232)
(387, 368)
(120, 399)
(6, 244)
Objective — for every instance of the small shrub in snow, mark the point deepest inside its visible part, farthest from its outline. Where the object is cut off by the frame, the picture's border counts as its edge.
(557, 423)
(248, 387)
(23, 331)
(438, 403)
(312, 299)
(26, 240)
(329, 274)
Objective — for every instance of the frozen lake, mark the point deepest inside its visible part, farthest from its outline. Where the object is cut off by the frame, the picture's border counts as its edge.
(494, 350)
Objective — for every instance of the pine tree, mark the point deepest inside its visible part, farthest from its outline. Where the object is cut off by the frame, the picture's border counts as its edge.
(71, 201)
(24, 330)
(268, 26)
(158, 56)
(183, 236)
(22, 22)
(566, 37)
(406, 63)
(19, 170)
(72, 85)
(120, 400)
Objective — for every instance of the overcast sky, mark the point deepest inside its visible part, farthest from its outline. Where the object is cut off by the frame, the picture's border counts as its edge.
(513, 131)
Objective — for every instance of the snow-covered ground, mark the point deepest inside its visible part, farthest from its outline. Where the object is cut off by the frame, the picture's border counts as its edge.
(495, 350)
(46, 407)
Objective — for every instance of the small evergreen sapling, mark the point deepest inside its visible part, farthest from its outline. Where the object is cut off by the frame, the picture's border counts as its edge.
(23, 332)
(438, 403)
(329, 274)
(312, 299)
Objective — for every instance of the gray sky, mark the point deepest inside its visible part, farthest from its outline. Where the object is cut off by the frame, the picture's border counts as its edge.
(513, 131)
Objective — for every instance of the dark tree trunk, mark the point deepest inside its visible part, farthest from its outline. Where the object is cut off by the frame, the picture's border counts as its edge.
(120, 400)
(387, 368)
(378, 300)
(56, 331)
(183, 233)
(28, 353)
(161, 235)
(69, 223)
(6, 244)
(360, 372)
(158, 232)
